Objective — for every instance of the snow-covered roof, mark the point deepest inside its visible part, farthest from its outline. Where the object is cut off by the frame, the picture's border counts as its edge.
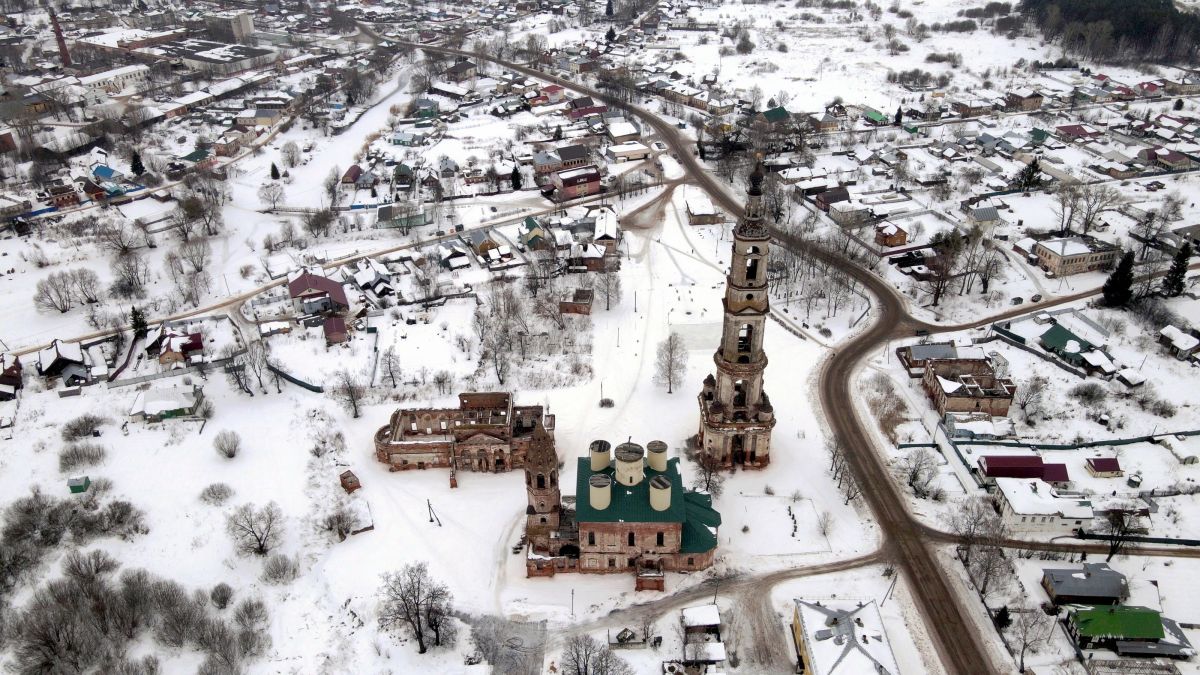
(1180, 340)
(622, 129)
(698, 203)
(704, 615)
(1033, 497)
(159, 401)
(842, 639)
(1066, 246)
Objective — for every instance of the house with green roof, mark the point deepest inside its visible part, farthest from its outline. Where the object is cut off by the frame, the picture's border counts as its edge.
(875, 117)
(1064, 344)
(1106, 626)
(634, 515)
(777, 115)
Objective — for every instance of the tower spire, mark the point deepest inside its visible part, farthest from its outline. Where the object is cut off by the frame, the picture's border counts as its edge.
(736, 416)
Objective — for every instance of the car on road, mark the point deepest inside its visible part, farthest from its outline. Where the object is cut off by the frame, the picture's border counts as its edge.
(1037, 297)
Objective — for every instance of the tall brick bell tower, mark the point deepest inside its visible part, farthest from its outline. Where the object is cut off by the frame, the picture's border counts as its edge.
(736, 416)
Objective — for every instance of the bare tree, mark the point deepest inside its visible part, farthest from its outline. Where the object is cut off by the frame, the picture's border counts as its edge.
(54, 293)
(584, 655)
(608, 286)
(85, 285)
(444, 380)
(975, 523)
(131, 276)
(349, 390)
(824, 523)
(256, 362)
(270, 194)
(1031, 394)
(197, 253)
(672, 361)
(1030, 627)
(1119, 524)
(332, 181)
(255, 530)
(118, 235)
(919, 469)
(290, 153)
(1095, 201)
(410, 599)
(709, 477)
(1066, 207)
(227, 443)
(389, 363)
(988, 564)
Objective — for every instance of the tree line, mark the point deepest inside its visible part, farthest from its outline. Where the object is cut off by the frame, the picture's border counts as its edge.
(1117, 30)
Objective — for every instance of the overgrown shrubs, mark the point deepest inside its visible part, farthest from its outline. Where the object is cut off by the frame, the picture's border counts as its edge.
(80, 455)
(280, 569)
(1090, 394)
(38, 522)
(81, 427)
(216, 494)
(85, 622)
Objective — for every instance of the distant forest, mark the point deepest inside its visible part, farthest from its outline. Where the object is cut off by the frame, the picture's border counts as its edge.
(1118, 30)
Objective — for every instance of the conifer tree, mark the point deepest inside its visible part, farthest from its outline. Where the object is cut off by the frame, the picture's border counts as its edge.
(135, 164)
(1118, 289)
(1172, 285)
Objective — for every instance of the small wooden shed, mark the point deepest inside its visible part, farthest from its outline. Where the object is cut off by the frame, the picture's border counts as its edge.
(350, 482)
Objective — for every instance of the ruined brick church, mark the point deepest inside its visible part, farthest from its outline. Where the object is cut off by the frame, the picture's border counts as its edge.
(485, 433)
(736, 417)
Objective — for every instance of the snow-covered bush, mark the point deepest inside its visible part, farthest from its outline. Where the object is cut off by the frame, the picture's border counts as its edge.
(80, 455)
(216, 494)
(81, 427)
(280, 569)
(1089, 393)
(220, 595)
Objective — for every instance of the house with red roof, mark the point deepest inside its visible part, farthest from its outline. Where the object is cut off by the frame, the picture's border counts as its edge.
(10, 376)
(1023, 466)
(1166, 158)
(1105, 467)
(315, 294)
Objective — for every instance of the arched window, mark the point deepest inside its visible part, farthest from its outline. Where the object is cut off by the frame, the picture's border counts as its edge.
(745, 338)
(541, 481)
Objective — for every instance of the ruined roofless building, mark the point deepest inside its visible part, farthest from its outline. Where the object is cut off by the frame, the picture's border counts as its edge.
(736, 417)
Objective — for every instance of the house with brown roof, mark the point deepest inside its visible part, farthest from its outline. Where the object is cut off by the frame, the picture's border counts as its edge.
(10, 376)
(967, 385)
(1105, 467)
(334, 329)
(314, 294)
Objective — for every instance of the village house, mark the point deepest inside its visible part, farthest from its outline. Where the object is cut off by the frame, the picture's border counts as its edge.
(573, 156)
(575, 183)
(993, 467)
(1105, 467)
(841, 638)
(461, 71)
(577, 301)
(583, 106)
(700, 209)
(1181, 344)
(485, 433)
(1074, 255)
(158, 404)
(702, 642)
(967, 385)
(334, 330)
(64, 360)
(314, 294)
(1106, 626)
(170, 346)
(890, 234)
(1031, 506)
(1023, 100)
(63, 196)
(1093, 584)
(11, 378)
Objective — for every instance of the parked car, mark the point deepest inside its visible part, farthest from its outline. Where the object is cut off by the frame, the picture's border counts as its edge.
(1036, 298)
(1018, 300)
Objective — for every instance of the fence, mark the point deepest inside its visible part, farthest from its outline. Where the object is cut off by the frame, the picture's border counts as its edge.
(1003, 335)
(1085, 444)
(315, 388)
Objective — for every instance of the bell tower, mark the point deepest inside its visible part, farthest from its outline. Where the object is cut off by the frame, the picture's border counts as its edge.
(541, 486)
(736, 417)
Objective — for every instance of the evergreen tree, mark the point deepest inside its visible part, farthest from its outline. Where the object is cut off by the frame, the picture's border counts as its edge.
(558, 134)
(1030, 177)
(899, 115)
(274, 171)
(1118, 289)
(1179, 104)
(608, 9)
(137, 321)
(611, 34)
(1172, 285)
(516, 179)
(1003, 619)
(135, 164)
(700, 150)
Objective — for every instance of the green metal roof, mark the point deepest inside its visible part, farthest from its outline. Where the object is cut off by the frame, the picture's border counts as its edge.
(197, 155)
(630, 504)
(776, 114)
(1119, 622)
(874, 115)
(1057, 337)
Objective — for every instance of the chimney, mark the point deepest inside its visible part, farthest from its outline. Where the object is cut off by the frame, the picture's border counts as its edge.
(62, 42)
(656, 453)
(660, 493)
(599, 491)
(630, 465)
(599, 454)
